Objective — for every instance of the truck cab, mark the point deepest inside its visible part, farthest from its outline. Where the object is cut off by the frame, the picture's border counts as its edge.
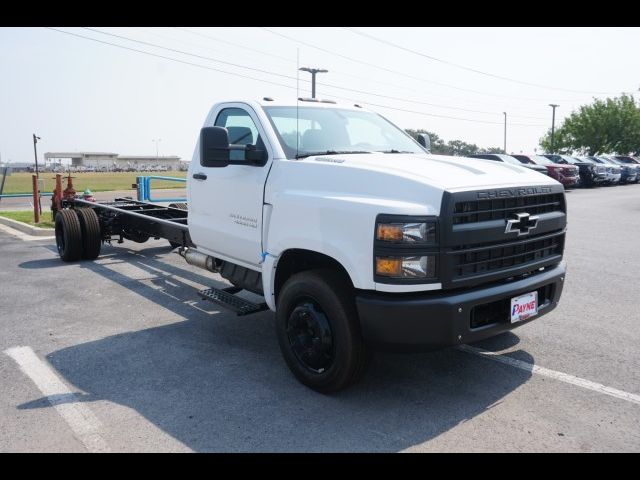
(360, 239)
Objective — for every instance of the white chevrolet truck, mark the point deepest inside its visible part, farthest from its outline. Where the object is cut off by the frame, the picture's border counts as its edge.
(356, 236)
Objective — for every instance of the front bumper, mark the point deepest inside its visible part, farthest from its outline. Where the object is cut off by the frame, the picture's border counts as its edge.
(429, 321)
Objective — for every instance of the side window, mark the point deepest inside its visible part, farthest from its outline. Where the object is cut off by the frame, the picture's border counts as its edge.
(242, 129)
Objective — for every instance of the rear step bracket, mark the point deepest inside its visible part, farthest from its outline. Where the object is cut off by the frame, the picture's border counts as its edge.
(225, 298)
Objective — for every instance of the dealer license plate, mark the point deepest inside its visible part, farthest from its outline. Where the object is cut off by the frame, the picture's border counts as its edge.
(524, 306)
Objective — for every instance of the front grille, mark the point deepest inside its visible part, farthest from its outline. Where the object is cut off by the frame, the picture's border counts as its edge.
(470, 261)
(502, 208)
(475, 246)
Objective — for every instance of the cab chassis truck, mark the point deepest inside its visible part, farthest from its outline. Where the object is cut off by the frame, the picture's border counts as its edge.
(356, 236)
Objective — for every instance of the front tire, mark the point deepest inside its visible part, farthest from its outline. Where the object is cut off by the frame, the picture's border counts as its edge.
(318, 330)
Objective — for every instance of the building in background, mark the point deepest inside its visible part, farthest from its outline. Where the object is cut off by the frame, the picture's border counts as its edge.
(109, 162)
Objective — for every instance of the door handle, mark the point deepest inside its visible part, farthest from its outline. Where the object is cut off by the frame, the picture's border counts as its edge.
(199, 176)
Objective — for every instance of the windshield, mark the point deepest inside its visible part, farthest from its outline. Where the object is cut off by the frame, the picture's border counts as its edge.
(320, 131)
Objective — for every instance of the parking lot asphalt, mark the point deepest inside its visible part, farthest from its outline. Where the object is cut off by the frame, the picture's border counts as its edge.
(142, 364)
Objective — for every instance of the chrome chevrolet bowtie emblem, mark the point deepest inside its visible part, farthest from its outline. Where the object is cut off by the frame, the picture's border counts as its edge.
(522, 224)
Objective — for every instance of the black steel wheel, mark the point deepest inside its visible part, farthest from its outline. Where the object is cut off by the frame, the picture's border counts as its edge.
(91, 233)
(68, 235)
(310, 336)
(318, 330)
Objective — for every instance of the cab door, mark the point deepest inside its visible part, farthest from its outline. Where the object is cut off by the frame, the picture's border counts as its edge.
(226, 203)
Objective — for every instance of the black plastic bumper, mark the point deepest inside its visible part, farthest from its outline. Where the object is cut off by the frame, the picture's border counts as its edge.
(429, 321)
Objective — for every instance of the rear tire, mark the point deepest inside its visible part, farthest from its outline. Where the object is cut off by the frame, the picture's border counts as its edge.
(318, 330)
(68, 235)
(91, 233)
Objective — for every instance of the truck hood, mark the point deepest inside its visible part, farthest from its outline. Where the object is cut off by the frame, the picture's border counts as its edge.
(446, 172)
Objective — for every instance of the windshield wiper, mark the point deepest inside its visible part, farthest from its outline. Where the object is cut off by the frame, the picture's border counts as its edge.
(330, 152)
(393, 150)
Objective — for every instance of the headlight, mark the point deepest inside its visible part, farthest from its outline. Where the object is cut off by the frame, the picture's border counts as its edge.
(406, 249)
(414, 232)
(407, 267)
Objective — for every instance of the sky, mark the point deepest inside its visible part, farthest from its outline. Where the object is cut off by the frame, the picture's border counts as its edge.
(81, 95)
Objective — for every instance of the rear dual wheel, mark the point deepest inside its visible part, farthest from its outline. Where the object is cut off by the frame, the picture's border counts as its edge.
(78, 234)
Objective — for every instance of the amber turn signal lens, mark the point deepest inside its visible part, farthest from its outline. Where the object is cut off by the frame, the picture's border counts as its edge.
(390, 232)
(389, 267)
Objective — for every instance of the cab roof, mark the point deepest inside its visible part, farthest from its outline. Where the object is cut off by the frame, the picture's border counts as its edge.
(307, 102)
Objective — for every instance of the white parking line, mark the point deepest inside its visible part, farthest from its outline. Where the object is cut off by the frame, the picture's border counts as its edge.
(563, 377)
(78, 416)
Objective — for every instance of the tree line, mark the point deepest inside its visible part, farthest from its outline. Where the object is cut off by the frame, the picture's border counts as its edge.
(452, 147)
(609, 126)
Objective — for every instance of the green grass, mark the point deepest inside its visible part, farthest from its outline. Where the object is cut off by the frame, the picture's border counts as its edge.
(26, 216)
(97, 182)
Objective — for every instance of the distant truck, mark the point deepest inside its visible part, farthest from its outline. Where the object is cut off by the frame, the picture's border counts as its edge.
(353, 233)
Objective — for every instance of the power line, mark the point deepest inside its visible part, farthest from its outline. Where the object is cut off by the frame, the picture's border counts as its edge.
(271, 82)
(457, 65)
(350, 75)
(190, 54)
(170, 58)
(390, 97)
(403, 74)
(261, 52)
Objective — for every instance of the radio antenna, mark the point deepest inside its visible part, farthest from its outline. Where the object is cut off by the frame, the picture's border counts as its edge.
(297, 98)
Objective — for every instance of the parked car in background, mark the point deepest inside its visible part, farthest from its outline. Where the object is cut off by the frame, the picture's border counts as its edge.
(567, 175)
(614, 172)
(631, 162)
(591, 173)
(500, 157)
(629, 171)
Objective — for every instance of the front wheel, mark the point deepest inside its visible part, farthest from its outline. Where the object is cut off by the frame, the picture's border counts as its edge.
(319, 331)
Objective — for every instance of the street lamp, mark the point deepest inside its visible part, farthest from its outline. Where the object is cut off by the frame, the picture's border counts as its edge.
(156, 141)
(313, 72)
(553, 126)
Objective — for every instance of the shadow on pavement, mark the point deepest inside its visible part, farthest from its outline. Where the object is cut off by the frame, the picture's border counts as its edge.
(218, 382)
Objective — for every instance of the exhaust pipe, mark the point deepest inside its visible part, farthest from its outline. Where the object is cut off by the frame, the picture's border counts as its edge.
(199, 259)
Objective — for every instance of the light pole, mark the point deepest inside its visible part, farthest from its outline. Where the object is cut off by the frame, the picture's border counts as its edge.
(313, 72)
(505, 132)
(156, 141)
(553, 127)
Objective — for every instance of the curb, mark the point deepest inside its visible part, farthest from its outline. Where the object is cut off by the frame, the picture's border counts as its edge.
(28, 229)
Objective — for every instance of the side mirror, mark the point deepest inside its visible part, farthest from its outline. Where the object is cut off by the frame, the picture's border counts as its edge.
(425, 141)
(215, 150)
(214, 147)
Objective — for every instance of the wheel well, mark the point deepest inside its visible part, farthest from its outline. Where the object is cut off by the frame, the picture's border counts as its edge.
(298, 260)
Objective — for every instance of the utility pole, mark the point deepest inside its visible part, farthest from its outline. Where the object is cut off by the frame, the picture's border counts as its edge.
(35, 153)
(553, 127)
(505, 132)
(313, 72)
